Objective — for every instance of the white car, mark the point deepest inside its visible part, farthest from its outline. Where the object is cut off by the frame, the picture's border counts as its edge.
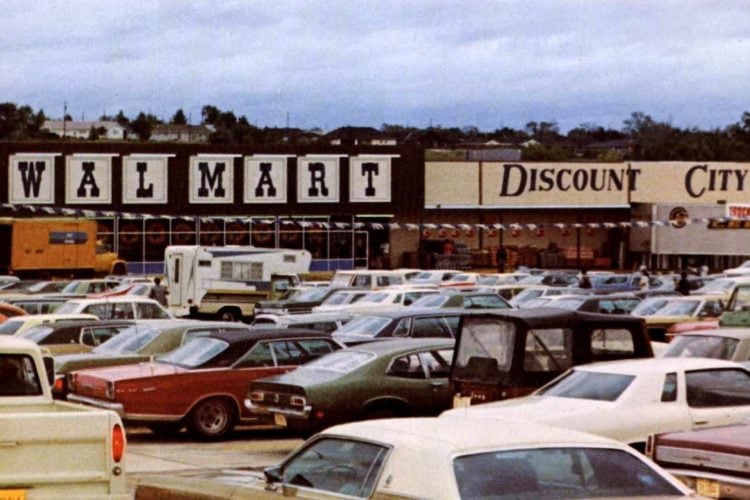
(741, 270)
(446, 459)
(628, 400)
(732, 344)
(117, 307)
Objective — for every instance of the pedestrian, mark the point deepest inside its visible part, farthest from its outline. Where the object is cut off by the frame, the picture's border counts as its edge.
(643, 282)
(501, 256)
(158, 292)
(584, 281)
(683, 285)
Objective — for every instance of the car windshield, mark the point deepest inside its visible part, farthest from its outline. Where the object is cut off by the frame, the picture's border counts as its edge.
(701, 346)
(718, 285)
(680, 308)
(36, 333)
(434, 300)
(375, 298)
(72, 287)
(649, 306)
(365, 325)
(572, 304)
(10, 327)
(581, 384)
(538, 302)
(340, 298)
(558, 472)
(128, 341)
(69, 307)
(195, 353)
(485, 349)
(312, 294)
(341, 361)
(527, 294)
(425, 277)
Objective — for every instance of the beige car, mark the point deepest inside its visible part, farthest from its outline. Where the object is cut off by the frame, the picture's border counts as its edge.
(19, 324)
(447, 459)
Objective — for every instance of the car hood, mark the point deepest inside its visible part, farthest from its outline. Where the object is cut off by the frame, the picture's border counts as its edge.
(545, 409)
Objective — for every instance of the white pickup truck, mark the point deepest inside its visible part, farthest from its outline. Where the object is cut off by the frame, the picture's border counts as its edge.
(51, 449)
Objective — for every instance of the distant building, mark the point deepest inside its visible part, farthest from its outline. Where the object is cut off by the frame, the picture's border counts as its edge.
(623, 147)
(179, 133)
(358, 136)
(82, 130)
(286, 135)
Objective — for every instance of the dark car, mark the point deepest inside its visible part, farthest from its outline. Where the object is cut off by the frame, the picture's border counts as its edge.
(393, 378)
(614, 303)
(67, 337)
(407, 322)
(461, 299)
(201, 384)
(298, 303)
(507, 354)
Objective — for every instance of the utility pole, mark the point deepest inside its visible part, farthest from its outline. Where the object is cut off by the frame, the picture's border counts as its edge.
(65, 116)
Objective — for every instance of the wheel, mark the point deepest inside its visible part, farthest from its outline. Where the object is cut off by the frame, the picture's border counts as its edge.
(165, 429)
(212, 418)
(229, 314)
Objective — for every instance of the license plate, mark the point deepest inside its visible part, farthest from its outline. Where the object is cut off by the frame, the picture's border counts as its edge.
(461, 401)
(707, 488)
(279, 419)
(12, 494)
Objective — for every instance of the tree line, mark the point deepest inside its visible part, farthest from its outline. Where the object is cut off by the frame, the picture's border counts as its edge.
(641, 137)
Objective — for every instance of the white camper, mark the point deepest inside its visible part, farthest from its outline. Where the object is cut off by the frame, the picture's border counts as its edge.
(226, 282)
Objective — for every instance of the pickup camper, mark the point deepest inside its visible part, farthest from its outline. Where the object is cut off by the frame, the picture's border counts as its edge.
(226, 282)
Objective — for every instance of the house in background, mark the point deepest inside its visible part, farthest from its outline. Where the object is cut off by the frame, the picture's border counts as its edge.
(179, 133)
(106, 130)
(359, 136)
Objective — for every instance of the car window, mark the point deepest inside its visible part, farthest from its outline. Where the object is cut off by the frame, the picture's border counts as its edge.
(123, 310)
(548, 350)
(669, 391)
(715, 388)
(147, 310)
(408, 366)
(485, 349)
(98, 310)
(259, 355)
(342, 466)
(431, 327)
(558, 473)
(485, 301)
(362, 281)
(607, 342)
(287, 353)
(701, 346)
(581, 384)
(438, 363)
(316, 347)
(18, 376)
(402, 328)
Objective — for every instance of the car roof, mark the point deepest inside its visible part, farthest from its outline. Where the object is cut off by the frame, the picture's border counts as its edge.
(78, 323)
(543, 316)
(454, 435)
(657, 365)
(256, 334)
(741, 333)
(389, 346)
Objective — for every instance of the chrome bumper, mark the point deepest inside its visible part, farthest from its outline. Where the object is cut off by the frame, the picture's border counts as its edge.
(304, 413)
(98, 403)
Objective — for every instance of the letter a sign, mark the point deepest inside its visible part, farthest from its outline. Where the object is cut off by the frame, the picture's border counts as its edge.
(32, 178)
(88, 178)
(212, 179)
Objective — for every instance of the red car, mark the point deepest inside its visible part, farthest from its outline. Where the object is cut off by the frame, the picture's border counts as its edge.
(202, 384)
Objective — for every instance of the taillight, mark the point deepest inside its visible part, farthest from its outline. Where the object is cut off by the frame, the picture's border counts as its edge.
(59, 384)
(650, 447)
(118, 442)
(297, 401)
(256, 396)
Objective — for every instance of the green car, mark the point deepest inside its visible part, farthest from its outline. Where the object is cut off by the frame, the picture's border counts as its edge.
(388, 378)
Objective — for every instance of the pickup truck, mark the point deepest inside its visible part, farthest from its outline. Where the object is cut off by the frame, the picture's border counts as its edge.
(51, 449)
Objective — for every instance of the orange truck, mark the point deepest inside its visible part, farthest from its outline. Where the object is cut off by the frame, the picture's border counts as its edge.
(42, 248)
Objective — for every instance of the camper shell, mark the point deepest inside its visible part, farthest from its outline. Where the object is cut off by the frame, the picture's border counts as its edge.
(226, 282)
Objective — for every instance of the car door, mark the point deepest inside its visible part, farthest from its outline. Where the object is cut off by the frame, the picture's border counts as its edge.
(717, 397)
(420, 378)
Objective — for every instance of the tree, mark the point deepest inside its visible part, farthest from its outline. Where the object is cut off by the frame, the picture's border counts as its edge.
(122, 119)
(179, 118)
(143, 125)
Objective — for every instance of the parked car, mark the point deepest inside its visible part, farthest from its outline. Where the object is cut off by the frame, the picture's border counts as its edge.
(137, 343)
(339, 298)
(301, 302)
(393, 378)
(732, 344)
(608, 283)
(67, 337)
(201, 384)
(631, 399)
(408, 322)
(432, 277)
(118, 307)
(741, 270)
(19, 324)
(681, 309)
(81, 288)
(461, 299)
(723, 287)
(534, 291)
(453, 459)
(323, 322)
(613, 303)
(368, 279)
(713, 462)
(35, 304)
(459, 280)
(391, 297)
(511, 353)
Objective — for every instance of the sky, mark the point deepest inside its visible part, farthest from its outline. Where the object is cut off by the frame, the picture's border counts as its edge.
(326, 64)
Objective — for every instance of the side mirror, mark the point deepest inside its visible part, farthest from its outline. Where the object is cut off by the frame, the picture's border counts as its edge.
(273, 475)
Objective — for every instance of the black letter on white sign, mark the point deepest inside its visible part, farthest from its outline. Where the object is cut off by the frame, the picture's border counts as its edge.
(143, 191)
(317, 175)
(265, 178)
(213, 179)
(370, 169)
(31, 176)
(88, 178)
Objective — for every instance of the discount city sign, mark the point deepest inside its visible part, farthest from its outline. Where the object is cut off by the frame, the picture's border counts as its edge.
(552, 185)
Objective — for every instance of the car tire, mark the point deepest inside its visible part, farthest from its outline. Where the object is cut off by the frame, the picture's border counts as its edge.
(166, 429)
(212, 419)
(229, 314)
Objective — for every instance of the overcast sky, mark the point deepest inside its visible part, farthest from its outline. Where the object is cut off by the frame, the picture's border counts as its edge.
(411, 62)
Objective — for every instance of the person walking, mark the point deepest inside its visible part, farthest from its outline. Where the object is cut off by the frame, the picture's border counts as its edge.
(158, 292)
(683, 285)
(643, 283)
(501, 256)
(584, 281)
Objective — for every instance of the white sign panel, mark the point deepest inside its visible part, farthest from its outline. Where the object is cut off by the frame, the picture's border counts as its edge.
(318, 179)
(212, 179)
(32, 178)
(266, 179)
(144, 178)
(370, 179)
(88, 178)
